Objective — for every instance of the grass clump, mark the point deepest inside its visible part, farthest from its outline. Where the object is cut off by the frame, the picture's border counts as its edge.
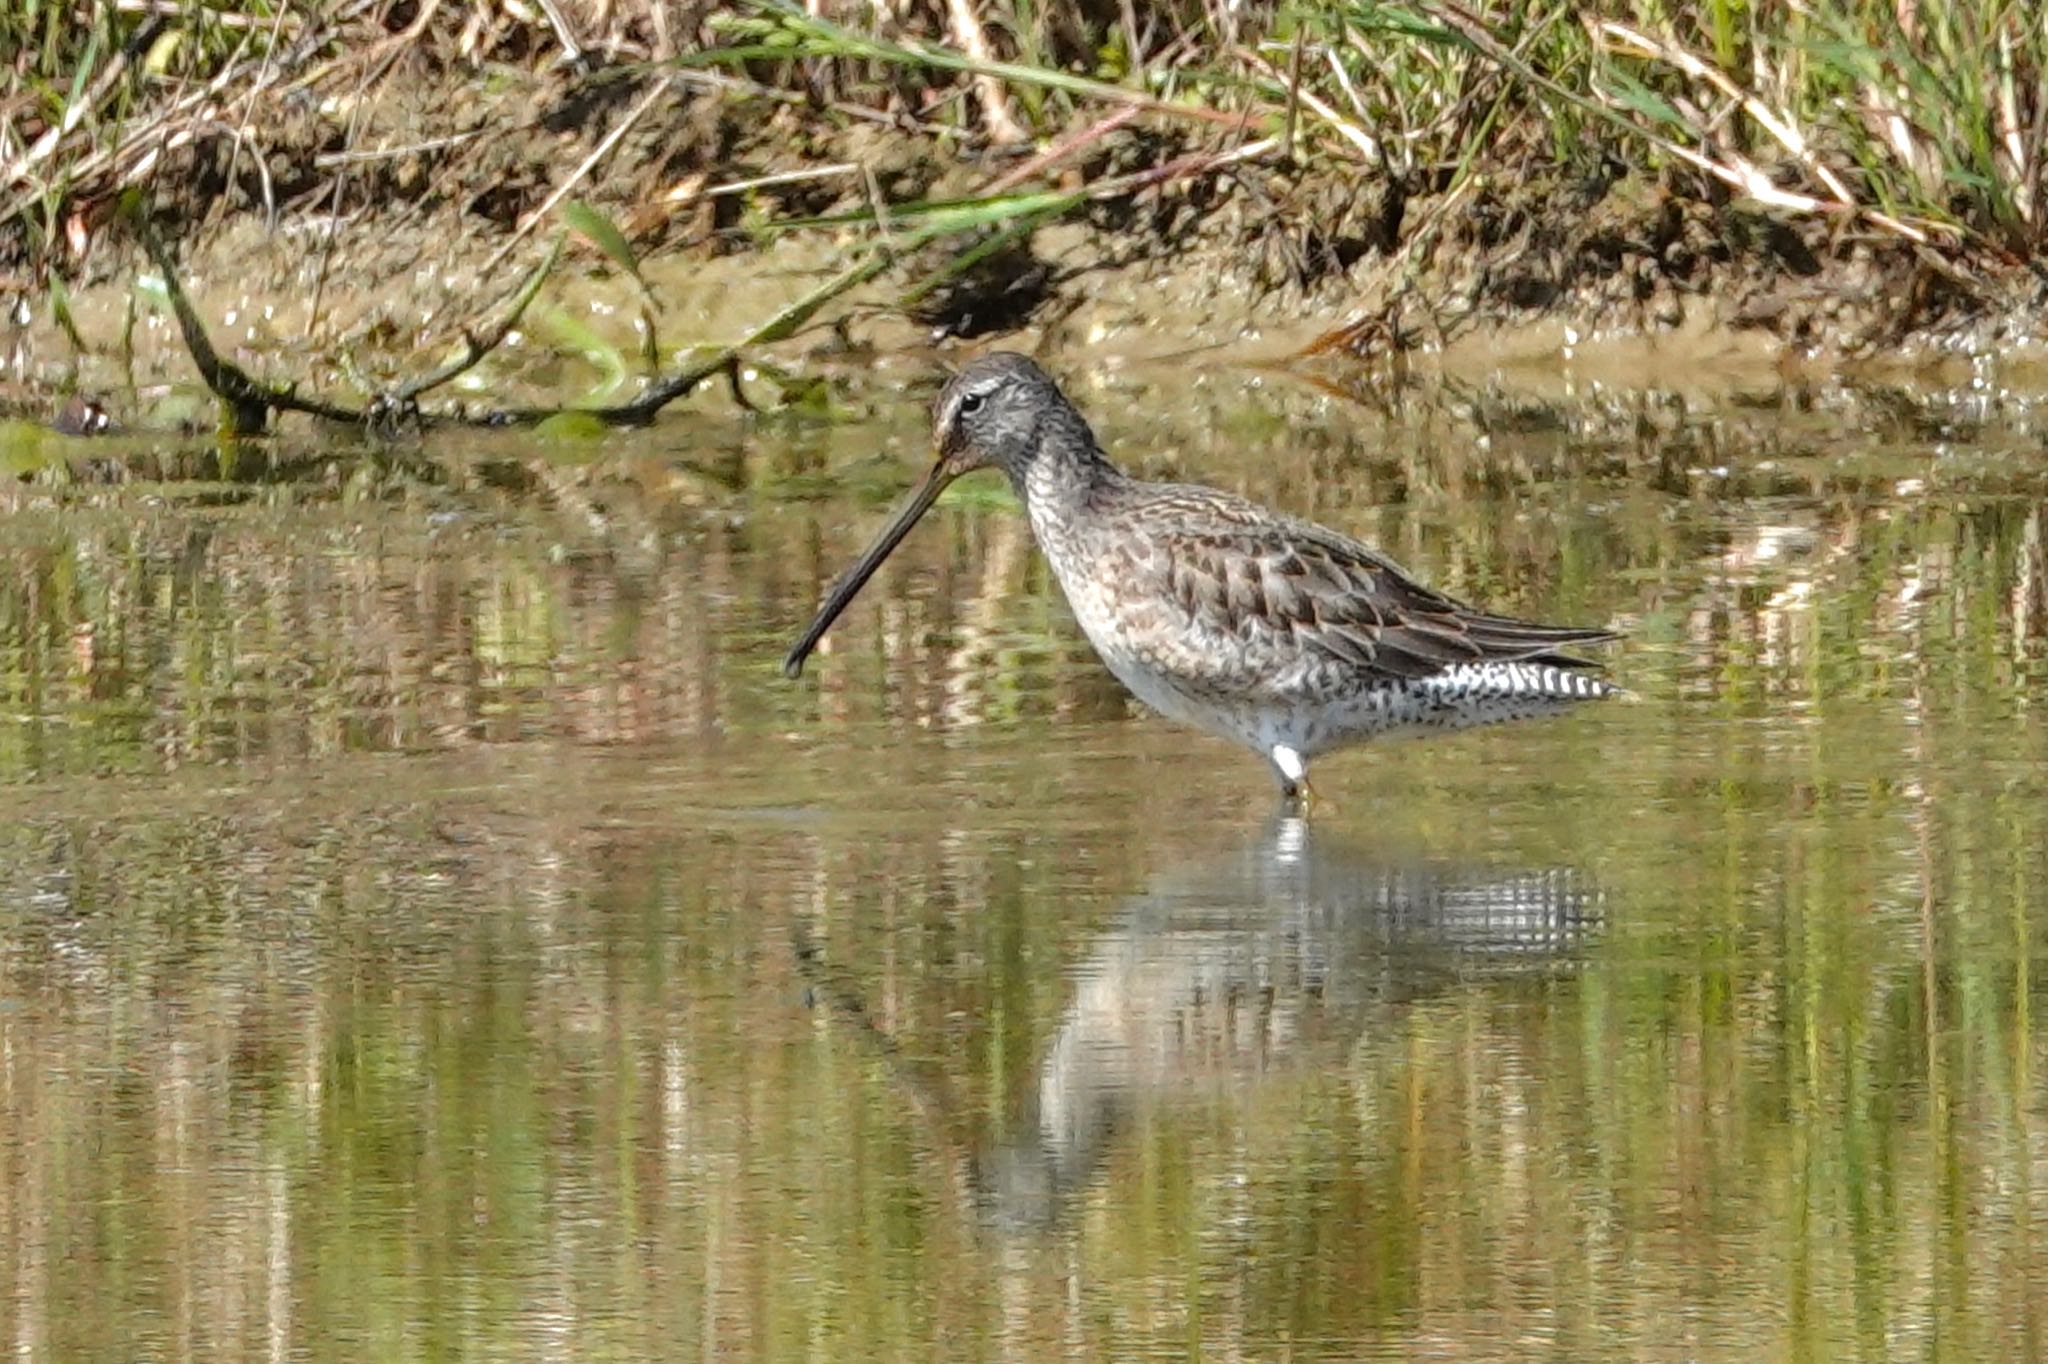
(1923, 125)
(1928, 121)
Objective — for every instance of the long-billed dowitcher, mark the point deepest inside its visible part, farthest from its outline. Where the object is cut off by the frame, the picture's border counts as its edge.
(1287, 637)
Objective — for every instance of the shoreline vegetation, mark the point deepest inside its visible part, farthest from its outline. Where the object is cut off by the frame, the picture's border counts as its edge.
(1848, 180)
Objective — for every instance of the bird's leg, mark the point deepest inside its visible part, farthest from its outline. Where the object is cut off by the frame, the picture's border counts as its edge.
(1295, 794)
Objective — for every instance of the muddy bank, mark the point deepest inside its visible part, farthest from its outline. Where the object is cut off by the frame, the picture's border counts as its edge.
(369, 235)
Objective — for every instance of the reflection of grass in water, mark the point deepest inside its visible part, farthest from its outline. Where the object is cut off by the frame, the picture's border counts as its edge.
(505, 1040)
(27, 449)
(1744, 1083)
(431, 606)
(446, 1044)
(569, 334)
(985, 492)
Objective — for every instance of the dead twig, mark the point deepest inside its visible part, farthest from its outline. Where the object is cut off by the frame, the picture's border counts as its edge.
(411, 33)
(848, 43)
(248, 398)
(476, 347)
(313, 313)
(242, 126)
(165, 9)
(691, 192)
(724, 360)
(1293, 91)
(1298, 96)
(1003, 127)
(1194, 163)
(565, 33)
(1061, 150)
(330, 160)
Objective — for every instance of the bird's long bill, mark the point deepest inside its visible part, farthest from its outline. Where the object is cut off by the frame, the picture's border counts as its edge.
(855, 578)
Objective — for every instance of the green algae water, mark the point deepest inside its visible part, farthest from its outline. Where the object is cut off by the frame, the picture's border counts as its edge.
(430, 928)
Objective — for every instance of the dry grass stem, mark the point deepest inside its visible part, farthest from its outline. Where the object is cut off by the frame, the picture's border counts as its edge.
(1002, 125)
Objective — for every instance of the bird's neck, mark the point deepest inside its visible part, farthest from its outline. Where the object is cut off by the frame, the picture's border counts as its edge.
(1067, 472)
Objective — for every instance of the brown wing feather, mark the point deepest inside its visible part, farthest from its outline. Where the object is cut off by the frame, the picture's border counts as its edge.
(1278, 585)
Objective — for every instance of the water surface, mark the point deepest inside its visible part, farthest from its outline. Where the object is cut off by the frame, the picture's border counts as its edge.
(430, 927)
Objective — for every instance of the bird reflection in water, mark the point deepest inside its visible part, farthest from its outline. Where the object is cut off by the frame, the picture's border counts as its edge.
(1225, 970)
(1273, 957)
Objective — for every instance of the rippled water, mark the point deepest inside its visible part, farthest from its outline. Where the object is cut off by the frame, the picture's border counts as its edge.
(430, 927)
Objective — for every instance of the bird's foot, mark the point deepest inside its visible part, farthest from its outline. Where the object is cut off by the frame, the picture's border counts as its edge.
(1299, 799)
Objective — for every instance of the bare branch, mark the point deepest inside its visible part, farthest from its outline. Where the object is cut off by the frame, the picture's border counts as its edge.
(249, 399)
(478, 347)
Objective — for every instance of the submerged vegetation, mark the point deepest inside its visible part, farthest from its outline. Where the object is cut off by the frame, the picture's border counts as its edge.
(1849, 177)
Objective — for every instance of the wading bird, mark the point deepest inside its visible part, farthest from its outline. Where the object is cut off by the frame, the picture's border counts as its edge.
(1284, 636)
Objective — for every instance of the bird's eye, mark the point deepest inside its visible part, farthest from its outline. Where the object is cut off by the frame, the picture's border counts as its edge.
(970, 403)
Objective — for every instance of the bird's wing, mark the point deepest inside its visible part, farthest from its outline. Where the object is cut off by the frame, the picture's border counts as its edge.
(1233, 571)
